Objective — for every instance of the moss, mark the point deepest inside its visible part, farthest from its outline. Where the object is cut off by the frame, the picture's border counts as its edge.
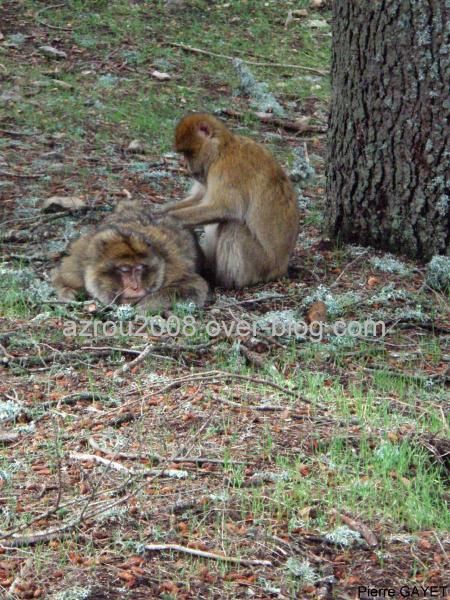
(74, 593)
(438, 273)
(344, 537)
(302, 570)
(257, 91)
(301, 168)
(389, 264)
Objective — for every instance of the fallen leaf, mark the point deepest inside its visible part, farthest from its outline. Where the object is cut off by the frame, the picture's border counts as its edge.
(317, 313)
(372, 282)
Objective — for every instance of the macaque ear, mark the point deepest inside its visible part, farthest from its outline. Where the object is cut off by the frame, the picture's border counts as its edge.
(205, 129)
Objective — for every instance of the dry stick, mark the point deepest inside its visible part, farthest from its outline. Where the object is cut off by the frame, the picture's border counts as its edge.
(44, 535)
(290, 125)
(248, 62)
(119, 467)
(157, 459)
(17, 133)
(45, 24)
(211, 555)
(25, 175)
(441, 546)
(136, 361)
(74, 398)
(347, 267)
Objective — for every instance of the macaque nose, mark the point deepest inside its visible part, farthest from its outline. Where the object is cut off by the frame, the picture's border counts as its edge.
(135, 280)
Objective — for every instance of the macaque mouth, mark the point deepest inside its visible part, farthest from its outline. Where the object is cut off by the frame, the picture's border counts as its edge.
(130, 294)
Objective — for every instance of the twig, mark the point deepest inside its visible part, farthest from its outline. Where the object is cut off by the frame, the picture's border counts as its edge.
(136, 361)
(200, 460)
(25, 175)
(16, 133)
(44, 535)
(441, 546)
(211, 555)
(347, 266)
(119, 467)
(248, 62)
(290, 125)
(45, 24)
(74, 398)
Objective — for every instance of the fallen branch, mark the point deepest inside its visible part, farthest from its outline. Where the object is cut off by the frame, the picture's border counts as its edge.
(176, 473)
(155, 458)
(44, 535)
(72, 399)
(16, 133)
(248, 62)
(290, 125)
(284, 124)
(24, 175)
(211, 555)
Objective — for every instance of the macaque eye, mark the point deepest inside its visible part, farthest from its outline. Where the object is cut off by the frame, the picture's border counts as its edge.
(124, 269)
(139, 268)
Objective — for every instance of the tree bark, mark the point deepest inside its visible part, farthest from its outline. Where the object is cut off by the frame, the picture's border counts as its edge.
(389, 137)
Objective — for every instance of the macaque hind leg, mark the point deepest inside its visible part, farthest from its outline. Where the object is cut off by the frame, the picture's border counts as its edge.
(240, 258)
(68, 279)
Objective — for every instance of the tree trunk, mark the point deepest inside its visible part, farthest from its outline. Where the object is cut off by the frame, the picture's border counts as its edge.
(389, 137)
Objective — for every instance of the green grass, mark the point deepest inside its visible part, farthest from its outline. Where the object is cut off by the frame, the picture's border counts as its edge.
(394, 484)
(137, 35)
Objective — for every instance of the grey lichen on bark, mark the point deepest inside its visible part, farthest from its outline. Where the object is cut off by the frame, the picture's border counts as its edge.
(389, 136)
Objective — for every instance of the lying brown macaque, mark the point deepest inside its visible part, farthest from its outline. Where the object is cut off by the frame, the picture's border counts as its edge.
(134, 258)
(244, 199)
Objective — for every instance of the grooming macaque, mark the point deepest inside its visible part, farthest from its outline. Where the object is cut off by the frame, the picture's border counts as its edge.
(244, 199)
(132, 258)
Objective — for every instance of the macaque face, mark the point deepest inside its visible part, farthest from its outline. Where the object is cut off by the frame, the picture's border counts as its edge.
(197, 147)
(132, 281)
(124, 269)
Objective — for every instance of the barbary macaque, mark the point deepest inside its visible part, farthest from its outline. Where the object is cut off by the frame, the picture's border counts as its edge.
(244, 199)
(134, 258)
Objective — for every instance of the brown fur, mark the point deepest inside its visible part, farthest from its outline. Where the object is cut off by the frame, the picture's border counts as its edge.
(169, 256)
(243, 197)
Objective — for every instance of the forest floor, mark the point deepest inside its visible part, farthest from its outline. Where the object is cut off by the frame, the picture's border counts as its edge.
(324, 455)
